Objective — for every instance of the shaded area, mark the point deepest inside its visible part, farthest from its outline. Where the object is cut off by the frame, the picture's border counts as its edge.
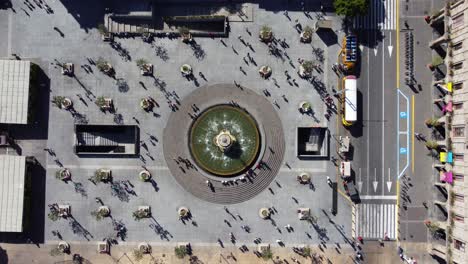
(106, 139)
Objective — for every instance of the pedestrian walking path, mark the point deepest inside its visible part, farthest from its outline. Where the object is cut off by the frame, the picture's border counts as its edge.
(381, 15)
(373, 221)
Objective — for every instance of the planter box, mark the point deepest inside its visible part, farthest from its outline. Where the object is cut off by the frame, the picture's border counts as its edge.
(68, 69)
(64, 210)
(103, 247)
(147, 69)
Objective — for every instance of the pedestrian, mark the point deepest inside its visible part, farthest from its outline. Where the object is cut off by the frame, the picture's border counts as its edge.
(285, 13)
(240, 37)
(359, 238)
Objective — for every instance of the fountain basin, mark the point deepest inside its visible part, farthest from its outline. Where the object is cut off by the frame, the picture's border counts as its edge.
(206, 151)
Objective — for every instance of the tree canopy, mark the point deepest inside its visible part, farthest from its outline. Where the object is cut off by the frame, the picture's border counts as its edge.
(351, 8)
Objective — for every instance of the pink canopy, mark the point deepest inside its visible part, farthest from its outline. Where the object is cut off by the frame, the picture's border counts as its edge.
(447, 177)
(448, 107)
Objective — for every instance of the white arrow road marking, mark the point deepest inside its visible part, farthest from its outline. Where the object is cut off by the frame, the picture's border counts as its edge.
(361, 47)
(390, 47)
(389, 183)
(375, 182)
(375, 51)
(359, 184)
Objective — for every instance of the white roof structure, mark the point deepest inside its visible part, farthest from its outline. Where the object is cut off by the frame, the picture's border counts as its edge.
(14, 91)
(350, 99)
(12, 175)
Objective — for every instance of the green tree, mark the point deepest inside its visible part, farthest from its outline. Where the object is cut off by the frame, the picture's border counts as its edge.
(351, 8)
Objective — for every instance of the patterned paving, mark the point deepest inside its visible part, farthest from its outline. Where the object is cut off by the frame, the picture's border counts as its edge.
(194, 180)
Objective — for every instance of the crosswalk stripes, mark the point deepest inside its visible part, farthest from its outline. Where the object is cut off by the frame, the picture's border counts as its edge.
(374, 220)
(381, 15)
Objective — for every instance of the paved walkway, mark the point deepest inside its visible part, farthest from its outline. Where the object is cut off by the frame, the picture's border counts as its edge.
(207, 254)
(271, 149)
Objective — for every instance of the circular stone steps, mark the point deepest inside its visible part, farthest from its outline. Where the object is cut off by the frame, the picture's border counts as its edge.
(175, 144)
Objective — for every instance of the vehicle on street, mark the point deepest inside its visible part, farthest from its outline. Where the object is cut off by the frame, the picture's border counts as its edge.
(349, 100)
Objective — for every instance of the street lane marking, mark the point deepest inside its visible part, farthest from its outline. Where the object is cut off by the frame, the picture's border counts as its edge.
(402, 132)
(412, 134)
(397, 224)
(368, 115)
(383, 111)
(397, 22)
(378, 197)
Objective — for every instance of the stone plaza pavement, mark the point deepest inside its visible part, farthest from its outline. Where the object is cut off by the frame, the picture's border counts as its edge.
(209, 254)
(32, 36)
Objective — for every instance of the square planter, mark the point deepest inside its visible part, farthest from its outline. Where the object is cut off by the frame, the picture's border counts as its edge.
(103, 247)
(64, 210)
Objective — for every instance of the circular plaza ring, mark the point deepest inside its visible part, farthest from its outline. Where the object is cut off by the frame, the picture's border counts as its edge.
(264, 144)
(224, 140)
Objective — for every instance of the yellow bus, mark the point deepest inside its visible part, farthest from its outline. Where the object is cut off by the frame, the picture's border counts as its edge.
(349, 100)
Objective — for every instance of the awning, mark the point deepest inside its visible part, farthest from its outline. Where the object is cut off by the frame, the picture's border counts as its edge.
(448, 107)
(447, 87)
(443, 156)
(446, 157)
(449, 177)
(446, 177)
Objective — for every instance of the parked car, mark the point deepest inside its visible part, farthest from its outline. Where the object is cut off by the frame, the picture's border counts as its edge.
(352, 192)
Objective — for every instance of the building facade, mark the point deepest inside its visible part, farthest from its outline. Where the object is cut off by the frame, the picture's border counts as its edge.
(451, 92)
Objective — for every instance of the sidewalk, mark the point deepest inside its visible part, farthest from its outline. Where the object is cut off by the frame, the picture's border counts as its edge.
(418, 187)
(165, 254)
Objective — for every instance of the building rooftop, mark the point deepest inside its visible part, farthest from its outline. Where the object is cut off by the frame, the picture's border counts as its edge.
(12, 175)
(14, 91)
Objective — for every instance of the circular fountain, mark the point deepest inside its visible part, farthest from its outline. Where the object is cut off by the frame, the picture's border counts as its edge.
(224, 140)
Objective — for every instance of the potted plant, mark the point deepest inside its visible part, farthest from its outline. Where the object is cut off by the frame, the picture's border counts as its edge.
(305, 107)
(104, 103)
(142, 212)
(103, 247)
(105, 34)
(184, 212)
(68, 69)
(146, 104)
(62, 248)
(303, 177)
(144, 175)
(264, 213)
(137, 254)
(186, 70)
(63, 174)
(54, 213)
(144, 248)
(265, 71)
(185, 34)
(145, 67)
(306, 68)
(182, 250)
(104, 66)
(432, 122)
(306, 34)
(266, 34)
(102, 211)
(102, 175)
(62, 102)
(267, 253)
(430, 144)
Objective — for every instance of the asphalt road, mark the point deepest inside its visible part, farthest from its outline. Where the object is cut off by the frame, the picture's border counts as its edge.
(375, 142)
